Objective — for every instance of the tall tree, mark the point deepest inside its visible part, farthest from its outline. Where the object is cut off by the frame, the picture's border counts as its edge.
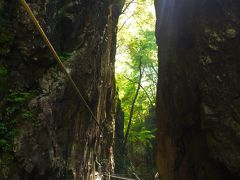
(136, 75)
(133, 104)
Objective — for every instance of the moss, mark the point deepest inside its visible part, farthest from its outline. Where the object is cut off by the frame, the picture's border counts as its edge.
(205, 60)
(15, 111)
(65, 56)
(217, 37)
(231, 33)
(3, 71)
(214, 38)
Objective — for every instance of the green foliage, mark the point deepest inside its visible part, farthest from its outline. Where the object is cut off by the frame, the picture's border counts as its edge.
(141, 49)
(26, 114)
(137, 48)
(16, 110)
(4, 144)
(3, 72)
(7, 133)
(18, 105)
(10, 103)
(16, 97)
(143, 136)
(65, 56)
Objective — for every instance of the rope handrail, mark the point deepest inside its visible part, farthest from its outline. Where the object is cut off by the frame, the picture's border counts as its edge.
(57, 58)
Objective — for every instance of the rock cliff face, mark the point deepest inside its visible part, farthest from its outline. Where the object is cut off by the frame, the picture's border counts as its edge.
(198, 97)
(54, 135)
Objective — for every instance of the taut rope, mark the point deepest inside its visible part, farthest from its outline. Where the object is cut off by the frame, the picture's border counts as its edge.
(57, 58)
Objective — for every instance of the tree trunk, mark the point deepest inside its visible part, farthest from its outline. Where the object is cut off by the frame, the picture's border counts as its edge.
(132, 106)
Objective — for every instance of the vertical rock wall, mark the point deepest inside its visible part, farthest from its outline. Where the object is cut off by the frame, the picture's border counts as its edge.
(198, 90)
(119, 152)
(57, 138)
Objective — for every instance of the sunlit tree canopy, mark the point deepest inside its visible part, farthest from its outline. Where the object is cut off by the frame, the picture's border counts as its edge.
(136, 76)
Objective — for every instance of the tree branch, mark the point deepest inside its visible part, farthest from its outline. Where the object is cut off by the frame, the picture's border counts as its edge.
(133, 105)
(144, 90)
(127, 6)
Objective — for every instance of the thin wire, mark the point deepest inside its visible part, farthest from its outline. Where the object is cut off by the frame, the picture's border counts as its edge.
(57, 58)
(117, 177)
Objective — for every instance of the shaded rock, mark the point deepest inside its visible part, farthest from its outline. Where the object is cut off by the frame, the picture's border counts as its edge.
(61, 139)
(198, 89)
